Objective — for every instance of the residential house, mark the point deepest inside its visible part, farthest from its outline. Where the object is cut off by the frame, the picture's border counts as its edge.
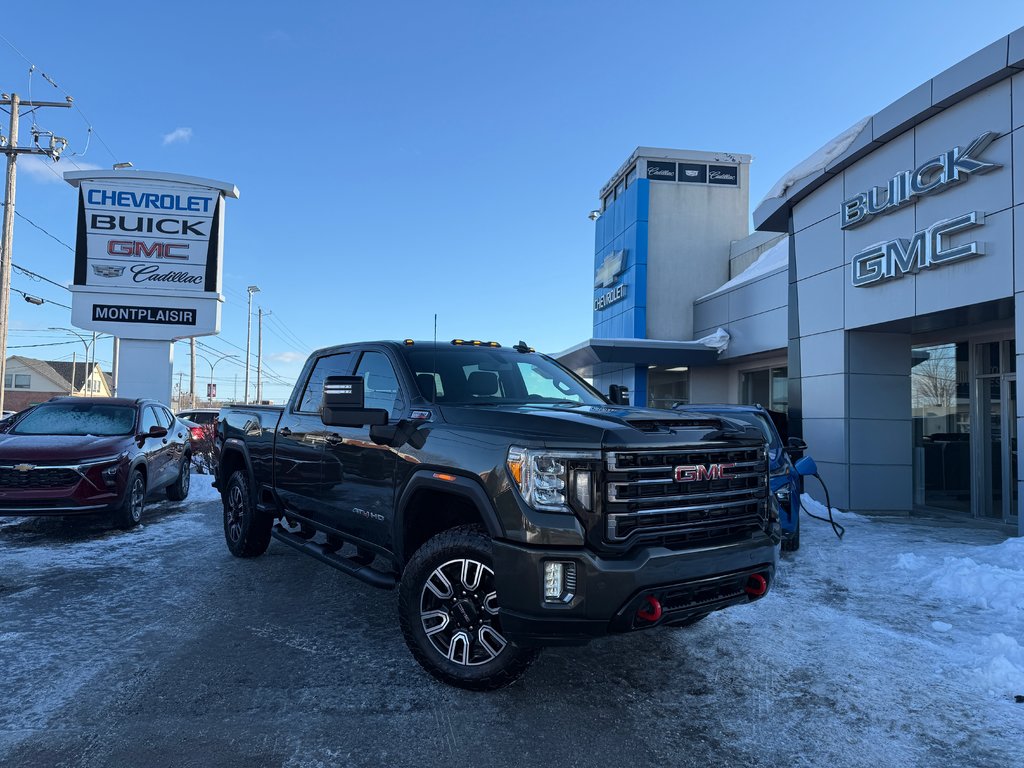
(29, 381)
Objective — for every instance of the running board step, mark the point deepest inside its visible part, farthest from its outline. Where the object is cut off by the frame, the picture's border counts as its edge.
(364, 573)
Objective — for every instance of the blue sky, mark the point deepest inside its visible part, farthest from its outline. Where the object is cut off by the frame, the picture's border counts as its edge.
(401, 159)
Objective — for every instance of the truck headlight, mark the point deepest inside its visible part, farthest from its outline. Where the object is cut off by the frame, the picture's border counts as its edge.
(547, 480)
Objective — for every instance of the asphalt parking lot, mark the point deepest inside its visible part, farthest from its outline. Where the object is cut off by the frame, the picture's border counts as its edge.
(157, 648)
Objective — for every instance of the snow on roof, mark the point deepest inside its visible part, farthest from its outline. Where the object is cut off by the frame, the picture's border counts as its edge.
(770, 261)
(818, 160)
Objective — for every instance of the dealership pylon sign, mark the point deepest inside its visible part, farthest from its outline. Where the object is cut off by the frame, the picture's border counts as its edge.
(148, 253)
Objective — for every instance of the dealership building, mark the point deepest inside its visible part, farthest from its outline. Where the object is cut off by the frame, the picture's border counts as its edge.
(877, 302)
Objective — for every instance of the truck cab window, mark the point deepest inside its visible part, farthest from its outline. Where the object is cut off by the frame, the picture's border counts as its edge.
(328, 365)
(380, 389)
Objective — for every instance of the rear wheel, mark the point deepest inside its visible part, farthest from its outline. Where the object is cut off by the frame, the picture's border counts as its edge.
(246, 530)
(129, 514)
(178, 490)
(448, 609)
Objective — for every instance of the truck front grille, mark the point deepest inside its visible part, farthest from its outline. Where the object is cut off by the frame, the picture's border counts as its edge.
(38, 477)
(685, 496)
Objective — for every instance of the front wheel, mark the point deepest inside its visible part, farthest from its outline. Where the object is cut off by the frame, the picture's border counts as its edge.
(791, 543)
(246, 530)
(448, 610)
(129, 514)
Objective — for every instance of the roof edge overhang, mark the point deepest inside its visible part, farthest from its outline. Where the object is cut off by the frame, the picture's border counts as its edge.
(593, 352)
(75, 178)
(995, 62)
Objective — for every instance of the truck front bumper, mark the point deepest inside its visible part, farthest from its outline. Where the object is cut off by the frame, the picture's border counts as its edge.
(650, 587)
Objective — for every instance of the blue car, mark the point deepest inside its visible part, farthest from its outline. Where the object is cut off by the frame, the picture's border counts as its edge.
(786, 482)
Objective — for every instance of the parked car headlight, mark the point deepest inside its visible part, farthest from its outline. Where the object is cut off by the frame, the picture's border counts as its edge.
(552, 481)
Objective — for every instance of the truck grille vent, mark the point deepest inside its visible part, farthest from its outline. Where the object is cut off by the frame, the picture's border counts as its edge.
(40, 477)
(685, 497)
(657, 425)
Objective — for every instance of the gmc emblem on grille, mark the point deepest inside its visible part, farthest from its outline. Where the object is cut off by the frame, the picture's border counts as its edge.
(690, 473)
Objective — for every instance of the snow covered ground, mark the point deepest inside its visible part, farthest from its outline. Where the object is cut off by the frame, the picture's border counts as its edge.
(899, 646)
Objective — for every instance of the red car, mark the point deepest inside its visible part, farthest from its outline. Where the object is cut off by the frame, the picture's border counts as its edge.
(77, 455)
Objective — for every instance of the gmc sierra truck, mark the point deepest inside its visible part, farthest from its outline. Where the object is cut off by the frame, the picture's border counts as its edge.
(512, 504)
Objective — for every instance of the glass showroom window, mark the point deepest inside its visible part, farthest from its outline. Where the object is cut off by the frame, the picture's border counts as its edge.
(768, 387)
(667, 386)
(940, 392)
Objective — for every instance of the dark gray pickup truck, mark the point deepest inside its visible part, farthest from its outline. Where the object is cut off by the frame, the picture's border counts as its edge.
(512, 504)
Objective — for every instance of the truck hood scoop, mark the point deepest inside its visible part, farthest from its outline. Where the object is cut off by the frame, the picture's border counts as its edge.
(664, 425)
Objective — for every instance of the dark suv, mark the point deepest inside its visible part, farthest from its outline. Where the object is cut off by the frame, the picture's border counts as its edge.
(76, 455)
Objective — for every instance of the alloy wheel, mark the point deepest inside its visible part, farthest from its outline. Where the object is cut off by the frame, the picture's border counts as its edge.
(138, 497)
(459, 612)
(235, 512)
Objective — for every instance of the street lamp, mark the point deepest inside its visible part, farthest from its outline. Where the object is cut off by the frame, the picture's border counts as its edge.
(248, 340)
(213, 365)
(88, 345)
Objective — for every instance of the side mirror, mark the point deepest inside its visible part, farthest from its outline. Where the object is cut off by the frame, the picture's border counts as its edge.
(795, 444)
(156, 431)
(618, 394)
(343, 404)
(806, 466)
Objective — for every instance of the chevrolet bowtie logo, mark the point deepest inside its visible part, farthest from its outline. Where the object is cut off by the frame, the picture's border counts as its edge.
(612, 266)
(24, 467)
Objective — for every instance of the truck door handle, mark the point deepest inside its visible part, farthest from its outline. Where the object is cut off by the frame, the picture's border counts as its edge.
(334, 438)
(285, 432)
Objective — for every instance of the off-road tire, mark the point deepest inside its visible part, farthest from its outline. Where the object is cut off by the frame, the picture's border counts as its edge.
(178, 490)
(468, 544)
(246, 530)
(129, 513)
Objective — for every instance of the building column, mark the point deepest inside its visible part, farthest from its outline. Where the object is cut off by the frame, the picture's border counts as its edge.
(880, 426)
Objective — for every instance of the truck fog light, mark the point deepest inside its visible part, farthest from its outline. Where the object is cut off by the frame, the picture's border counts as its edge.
(559, 581)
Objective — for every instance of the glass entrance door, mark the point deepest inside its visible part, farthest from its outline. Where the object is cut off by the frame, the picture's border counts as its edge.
(995, 439)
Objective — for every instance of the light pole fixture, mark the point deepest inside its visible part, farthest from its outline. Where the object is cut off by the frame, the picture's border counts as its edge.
(214, 365)
(248, 341)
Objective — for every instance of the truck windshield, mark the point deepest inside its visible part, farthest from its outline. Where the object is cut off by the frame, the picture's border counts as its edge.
(77, 419)
(457, 375)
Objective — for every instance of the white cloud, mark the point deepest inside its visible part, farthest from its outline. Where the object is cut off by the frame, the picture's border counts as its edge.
(287, 357)
(178, 136)
(39, 168)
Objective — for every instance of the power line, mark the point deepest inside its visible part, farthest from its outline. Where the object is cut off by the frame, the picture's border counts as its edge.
(51, 81)
(39, 300)
(49, 234)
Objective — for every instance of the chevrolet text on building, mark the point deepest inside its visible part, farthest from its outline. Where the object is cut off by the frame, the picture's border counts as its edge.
(606, 276)
(934, 175)
(151, 240)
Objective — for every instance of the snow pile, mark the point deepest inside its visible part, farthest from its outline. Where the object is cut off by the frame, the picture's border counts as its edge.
(1002, 669)
(815, 507)
(818, 160)
(718, 340)
(202, 488)
(992, 578)
(774, 258)
(989, 579)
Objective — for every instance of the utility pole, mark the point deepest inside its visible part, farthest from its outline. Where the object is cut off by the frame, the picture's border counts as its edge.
(74, 361)
(114, 364)
(248, 342)
(180, 374)
(192, 378)
(91, 368)
(259, 356)
(9, 147)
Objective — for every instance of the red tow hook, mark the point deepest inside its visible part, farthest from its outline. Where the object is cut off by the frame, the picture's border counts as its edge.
(757, 585)
(653, 610)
